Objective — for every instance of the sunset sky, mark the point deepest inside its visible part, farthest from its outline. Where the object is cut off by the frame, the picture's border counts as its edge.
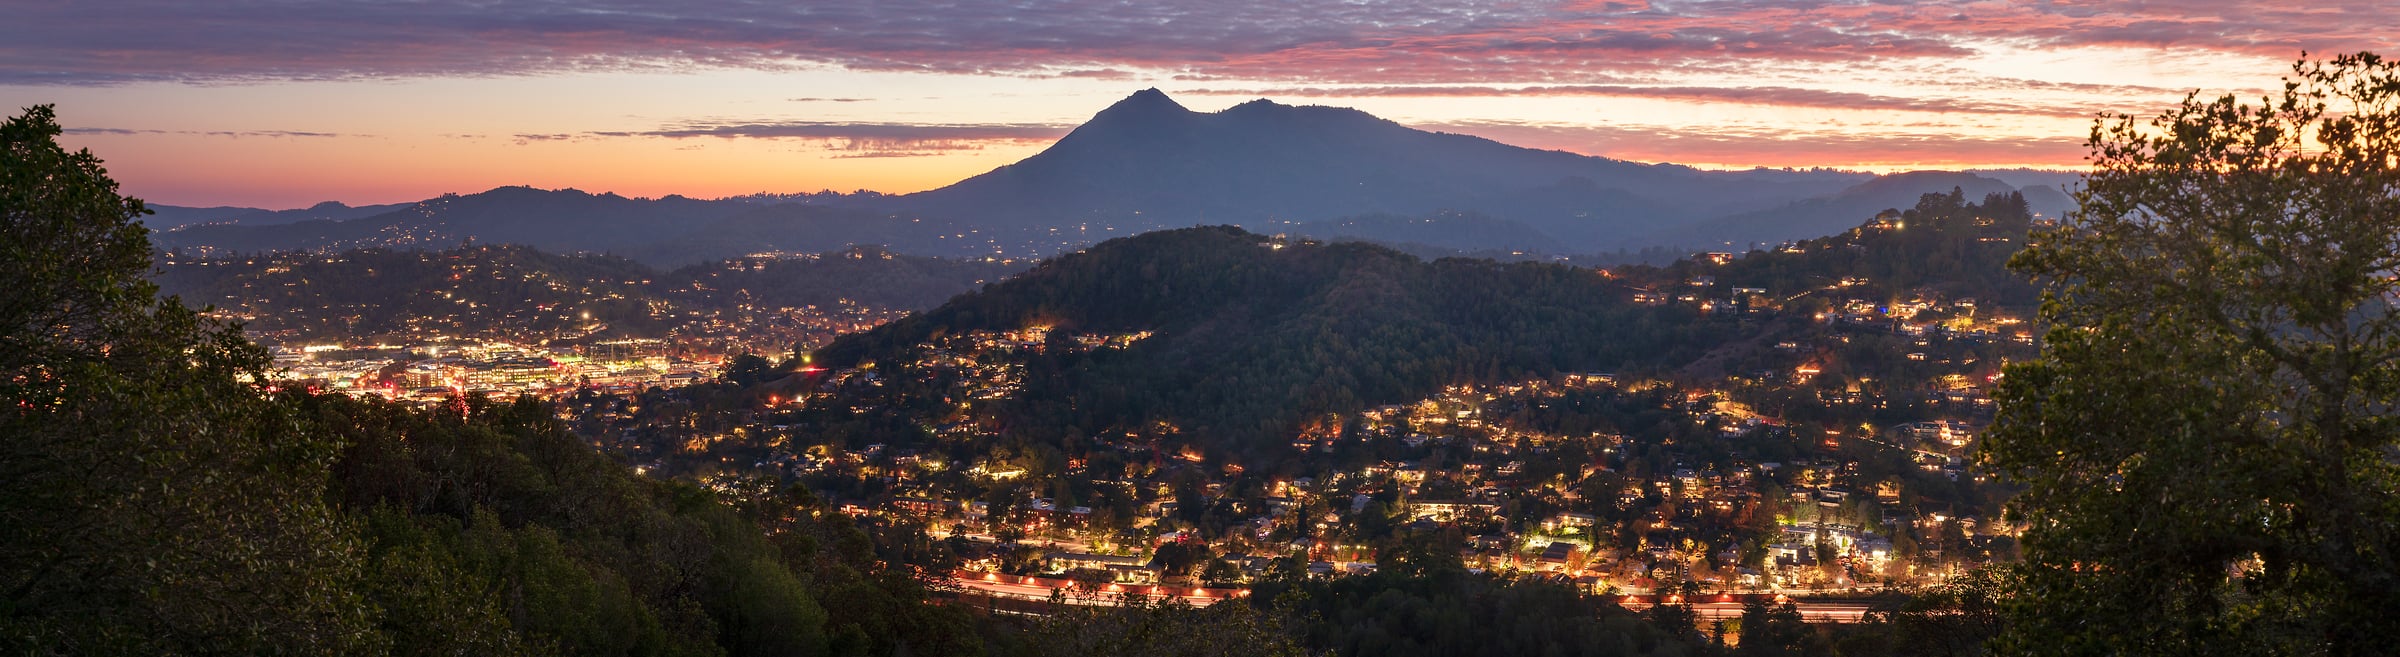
(284, 103)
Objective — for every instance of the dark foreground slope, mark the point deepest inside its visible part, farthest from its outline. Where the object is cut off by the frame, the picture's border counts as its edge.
(159, 497)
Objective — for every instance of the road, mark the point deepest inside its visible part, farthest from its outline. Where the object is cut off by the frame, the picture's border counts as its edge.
(1028, 588)
(1814, 611)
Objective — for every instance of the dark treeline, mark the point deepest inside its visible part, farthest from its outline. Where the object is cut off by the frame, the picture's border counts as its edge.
(1422, 602)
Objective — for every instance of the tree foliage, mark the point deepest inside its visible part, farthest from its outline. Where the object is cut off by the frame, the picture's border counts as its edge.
(150, 500)
(1454, 612)
(1144, 628)
(1254, 337)
(156, 497)
(2207, 443)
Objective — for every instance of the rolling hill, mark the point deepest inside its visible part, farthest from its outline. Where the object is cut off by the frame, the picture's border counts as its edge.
(1247, 337)
(1252, 335)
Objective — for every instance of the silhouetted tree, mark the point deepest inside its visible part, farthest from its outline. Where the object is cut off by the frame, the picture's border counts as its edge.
(2207, 441)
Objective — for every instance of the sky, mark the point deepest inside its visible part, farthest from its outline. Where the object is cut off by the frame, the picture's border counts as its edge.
(284, 103)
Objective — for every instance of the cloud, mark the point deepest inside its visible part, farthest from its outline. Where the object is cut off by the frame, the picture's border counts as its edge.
(881, 154)
(1778, 96)
(856, 139)
(1742, 147)
(208, 133)
(1365, 42)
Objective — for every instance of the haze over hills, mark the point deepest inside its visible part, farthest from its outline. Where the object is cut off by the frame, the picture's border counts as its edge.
(1817, 217)
(1146, 163)
(665, 232)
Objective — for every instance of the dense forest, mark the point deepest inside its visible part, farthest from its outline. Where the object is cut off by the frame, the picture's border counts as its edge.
(1945, 244)
(1254, 334)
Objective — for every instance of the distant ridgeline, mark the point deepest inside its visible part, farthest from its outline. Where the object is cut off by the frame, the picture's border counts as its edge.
(1245, 337)
(1147, 163)
(518, 291)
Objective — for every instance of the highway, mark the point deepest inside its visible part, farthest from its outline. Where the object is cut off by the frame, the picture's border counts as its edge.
(1031, 588)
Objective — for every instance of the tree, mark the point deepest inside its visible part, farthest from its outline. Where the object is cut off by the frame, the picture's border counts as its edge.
(152, 498)
(1772, 630)
(2206, 442)
(1142, 627)
(748, 370)
(1957, 618)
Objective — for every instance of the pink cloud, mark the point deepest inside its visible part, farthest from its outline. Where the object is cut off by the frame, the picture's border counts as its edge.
(1777, 96)
(857, 139)
(1738, 147)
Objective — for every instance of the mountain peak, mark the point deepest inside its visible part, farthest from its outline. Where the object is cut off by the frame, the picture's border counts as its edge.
(1146, 101)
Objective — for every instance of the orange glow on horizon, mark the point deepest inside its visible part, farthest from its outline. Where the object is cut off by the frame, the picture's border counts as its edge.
(718, 132)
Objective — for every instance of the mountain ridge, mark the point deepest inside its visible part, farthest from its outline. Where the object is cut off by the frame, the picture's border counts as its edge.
(1147, 162)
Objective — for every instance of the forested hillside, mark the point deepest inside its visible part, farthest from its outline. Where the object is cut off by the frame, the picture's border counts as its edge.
(1248, 338)
(1253, 334)
(1944, 244)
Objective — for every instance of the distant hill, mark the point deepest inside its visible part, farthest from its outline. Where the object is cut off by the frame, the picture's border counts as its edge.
(1455, 231)
(2033, 177)
(559, 221)
(165, 217)
(1818, 217)
(2046, 192)
(793, 228)
(664, 232)
(868, 276)
(1954, 245)
(2048, 201)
